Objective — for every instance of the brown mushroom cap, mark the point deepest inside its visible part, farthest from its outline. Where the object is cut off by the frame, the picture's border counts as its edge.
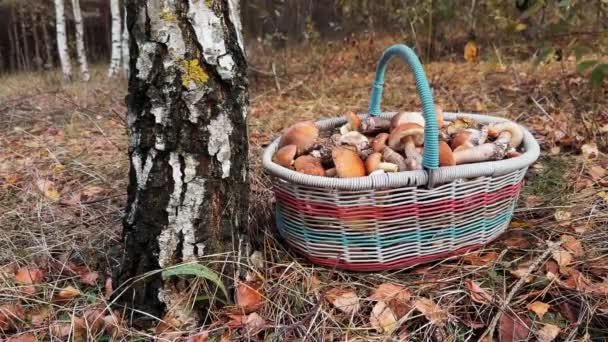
(348, 164)
(302, 134)
(379, 142)
(407, 117)
(285, 155)
(398, 135)
(517, 134)
(353, 121)
(309, 165)
(373, 162)
(446, 156)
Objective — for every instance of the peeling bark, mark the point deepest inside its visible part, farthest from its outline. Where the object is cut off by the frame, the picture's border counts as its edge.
(62, 43)
(188, 96)
(80, 51)
(116, 38)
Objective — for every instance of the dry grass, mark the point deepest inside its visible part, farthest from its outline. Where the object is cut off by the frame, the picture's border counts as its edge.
(74, 137)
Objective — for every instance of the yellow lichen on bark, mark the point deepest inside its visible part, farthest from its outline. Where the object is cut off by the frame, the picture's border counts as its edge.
(192, 72)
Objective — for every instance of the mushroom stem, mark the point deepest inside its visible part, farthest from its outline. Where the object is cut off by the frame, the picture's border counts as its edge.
(390, 156)
(374, 124)
(484, 152)
(410, 150)
(388, 167)
(517, 134)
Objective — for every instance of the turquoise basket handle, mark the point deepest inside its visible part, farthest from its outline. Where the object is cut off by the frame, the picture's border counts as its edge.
(430, 159)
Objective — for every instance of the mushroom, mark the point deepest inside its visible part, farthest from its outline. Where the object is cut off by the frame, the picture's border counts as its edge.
(468, 137)
(461, 123)
(446, 156)
(302, 134)
(390, 156)
(479, 153)
(407, 137)
(324, 146)
(285, 155)
(358, 141)
(374, 162)
(330, 172)
(407, 117)
(348, 164)
(439, 116)
(515, 131)
(379, 142)
(353, 123)
(309, 165)
(374, 124)
(377, 172)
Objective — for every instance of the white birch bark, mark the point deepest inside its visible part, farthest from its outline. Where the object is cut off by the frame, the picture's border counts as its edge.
(116, 44)
(62, 43)
(82, 56)
(125, 45)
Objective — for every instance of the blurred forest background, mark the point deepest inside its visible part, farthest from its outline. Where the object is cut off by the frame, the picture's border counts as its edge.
(438, 29)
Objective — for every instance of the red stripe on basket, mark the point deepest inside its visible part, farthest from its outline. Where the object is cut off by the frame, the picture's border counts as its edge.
(411, 209)
(400, 263)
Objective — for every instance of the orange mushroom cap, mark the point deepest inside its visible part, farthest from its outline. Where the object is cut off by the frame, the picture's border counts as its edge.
(302, 134)
(309, 165)
(395, 139)
(285, 155)
(348, 164)
(446, 156)
(379, 142)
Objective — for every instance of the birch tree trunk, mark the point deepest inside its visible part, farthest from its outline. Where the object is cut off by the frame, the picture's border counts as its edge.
(125, 45)
(188, 182)
(116, 38)
(47, 43)
(80, 51)
(62, 43)
(26, 45)
(34, 29)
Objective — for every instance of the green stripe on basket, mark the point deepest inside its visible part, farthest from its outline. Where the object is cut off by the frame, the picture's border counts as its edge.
(370, 239)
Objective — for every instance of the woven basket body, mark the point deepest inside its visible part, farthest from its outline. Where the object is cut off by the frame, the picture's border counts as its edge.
(394, 220)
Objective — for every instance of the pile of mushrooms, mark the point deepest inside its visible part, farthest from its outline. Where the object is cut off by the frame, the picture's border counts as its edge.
(375, 145)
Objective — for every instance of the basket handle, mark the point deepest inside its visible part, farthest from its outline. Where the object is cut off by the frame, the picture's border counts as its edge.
(430, 159)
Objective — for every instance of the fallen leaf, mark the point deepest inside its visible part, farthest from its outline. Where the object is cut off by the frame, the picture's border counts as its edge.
(539, 308)
(563, 257)
(89, 278)
(200, 337)
(345, 300)
(27, 337)
(48, 188)
(548, 333)
(386, 292)
(431, 311)
(40, 316)
(562, 215)
(572, 244)
(114, 324)
(107, 289)
(314, 283)
(29, 276)
(94, 320)
(91, 192)
(257, 260)
(248, 298)
(76, 329)
(590, 151)
(236, 321)
(478, 294)
(597, 172)
(522, 271)
(382, 318)
(10, 316)
(555, 150)
(514, 328)
(68, 292)
(477, 259)
(552, 269)
(516, 239)
(255, 323)
(168, 324)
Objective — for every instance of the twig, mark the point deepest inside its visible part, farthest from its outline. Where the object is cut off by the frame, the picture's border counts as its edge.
(533, 266)
(541, 108)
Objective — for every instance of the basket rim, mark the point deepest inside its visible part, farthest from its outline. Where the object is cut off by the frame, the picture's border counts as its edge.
(442, 175)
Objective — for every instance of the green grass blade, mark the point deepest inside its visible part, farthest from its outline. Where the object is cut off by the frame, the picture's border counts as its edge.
(196, 270)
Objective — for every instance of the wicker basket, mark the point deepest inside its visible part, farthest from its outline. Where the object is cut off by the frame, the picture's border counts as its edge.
(394, 220)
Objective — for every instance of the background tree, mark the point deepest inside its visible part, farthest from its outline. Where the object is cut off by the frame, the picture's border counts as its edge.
(188, 181)
(62, 42)
(80, 50)
(125, 45)
(116, 38)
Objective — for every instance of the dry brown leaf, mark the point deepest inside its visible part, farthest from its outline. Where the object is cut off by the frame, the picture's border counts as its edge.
(386, 292)
(200, 337)
(382, 318)
(478, 294)
(26, 337)
(477, 259)
(522, 271)
(68, 292)
(236, 321)
(255, 323)
(552, 269)
(562, 215)
(539, 308)
(10, 316)
(514, 328)
(572, 244)
(590, 151)
(29, 276)
(168, 324)
(76, 329)
(248, 298)
(548, 333)
(597, 172)
(431, 311)
(114, 324)
(48, 188)
(94, 320)
(563, 257)
(89, 278)
(345, 300)
(107, 289)
(40, 316)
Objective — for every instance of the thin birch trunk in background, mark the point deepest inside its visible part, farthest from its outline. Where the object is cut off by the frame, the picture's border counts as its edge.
(47, 43)
(26, 45)
(34, 29)
(82, 55)
(116, 38)
(125, 45)
(62, 43)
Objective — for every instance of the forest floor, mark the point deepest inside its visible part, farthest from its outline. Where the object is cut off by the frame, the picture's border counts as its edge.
(63, 180)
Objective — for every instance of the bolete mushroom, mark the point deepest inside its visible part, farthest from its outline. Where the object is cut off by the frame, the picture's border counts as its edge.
(390, 156)
(302, 134)
(374, 162)
(309, 165)
(406, 138)
(353, 123)
(446, 156)
(359, 141)
(479, 153)
(285, 156)
(379, 142)
(466, 138)
(407, 117)
(348, 164)
(515, 131)
(324, 146)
